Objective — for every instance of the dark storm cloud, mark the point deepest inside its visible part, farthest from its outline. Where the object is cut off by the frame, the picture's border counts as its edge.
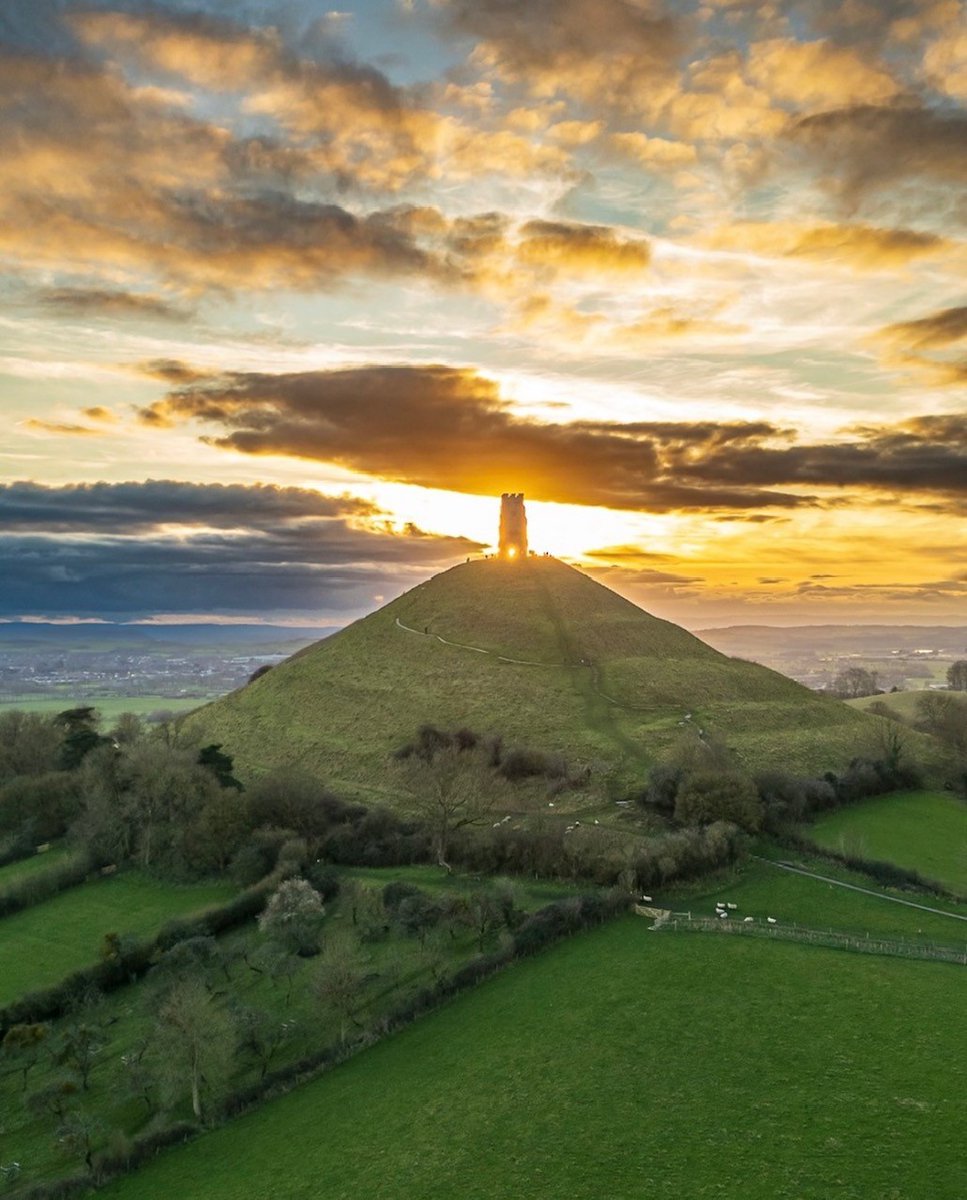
(102, 549)
(444, 427)
(134, 508)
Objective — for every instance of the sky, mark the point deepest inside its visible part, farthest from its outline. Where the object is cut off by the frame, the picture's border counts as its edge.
(290, 294)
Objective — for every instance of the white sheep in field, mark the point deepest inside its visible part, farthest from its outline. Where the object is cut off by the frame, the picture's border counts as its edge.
(724, 914)
(731, 907)
(771, 920)
(746, 920)
(646, 899)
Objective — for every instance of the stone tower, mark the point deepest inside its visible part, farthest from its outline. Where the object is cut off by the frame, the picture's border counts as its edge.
(513, 526)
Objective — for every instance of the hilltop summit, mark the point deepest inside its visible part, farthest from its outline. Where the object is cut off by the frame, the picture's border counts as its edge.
(535, 651)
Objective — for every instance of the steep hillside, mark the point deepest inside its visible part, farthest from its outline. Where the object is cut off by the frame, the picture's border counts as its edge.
(535, 651)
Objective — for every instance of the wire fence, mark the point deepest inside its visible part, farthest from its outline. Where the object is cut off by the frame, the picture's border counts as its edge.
(857, 943)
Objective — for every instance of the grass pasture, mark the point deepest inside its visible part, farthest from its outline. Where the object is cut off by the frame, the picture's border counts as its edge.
(42, 944)
(924, 831)
(110, 707)
(761, 890)
(626, 1063)
(395, 966)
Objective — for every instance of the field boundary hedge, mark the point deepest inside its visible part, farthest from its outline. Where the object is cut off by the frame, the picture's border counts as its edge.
(44, 885)
(887, 874)
(135, 958)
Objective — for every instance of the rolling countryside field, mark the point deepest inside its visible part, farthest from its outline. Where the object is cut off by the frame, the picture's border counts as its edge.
(42, 944)
(925, 831)
(626, 1063)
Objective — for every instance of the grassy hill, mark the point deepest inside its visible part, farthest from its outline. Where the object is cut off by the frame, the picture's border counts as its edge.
(537, 652)
(625, 1063)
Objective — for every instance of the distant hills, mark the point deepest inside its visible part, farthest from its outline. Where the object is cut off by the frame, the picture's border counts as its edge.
(537, 652)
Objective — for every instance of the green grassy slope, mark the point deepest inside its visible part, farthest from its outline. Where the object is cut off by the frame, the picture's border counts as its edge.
(626, 1063)
(761, 890)
(596, 678)
(42, 944)
(925, 831)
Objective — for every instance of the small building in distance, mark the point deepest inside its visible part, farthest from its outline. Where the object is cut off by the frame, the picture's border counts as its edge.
(513, 527)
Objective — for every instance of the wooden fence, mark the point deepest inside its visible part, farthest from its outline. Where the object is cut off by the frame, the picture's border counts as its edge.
(858, 943)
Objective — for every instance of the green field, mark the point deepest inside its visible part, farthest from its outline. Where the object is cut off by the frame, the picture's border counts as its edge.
(626, 1063)
(110, 707)
(395, 964)
(925, 831)
(762, 890)
(542, 655)
(42, 944)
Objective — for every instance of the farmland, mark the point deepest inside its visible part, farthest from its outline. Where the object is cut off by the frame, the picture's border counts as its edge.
(587, 1072)
(925, 831)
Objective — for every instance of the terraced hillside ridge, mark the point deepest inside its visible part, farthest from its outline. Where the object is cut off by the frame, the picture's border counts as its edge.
(537, 652)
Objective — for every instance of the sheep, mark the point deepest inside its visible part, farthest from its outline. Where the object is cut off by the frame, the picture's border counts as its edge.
(731, 907)
(646, 899)
(771, 920)
(725, 915)
(746, 920)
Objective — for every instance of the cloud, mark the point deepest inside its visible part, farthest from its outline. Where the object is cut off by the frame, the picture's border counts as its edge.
(926, 345)
(131, 550)
(450, 428)
(858, 246)
(106, 302)
(135, 508)
(569, 247)
(867, 149)
(820, 75)
(343, 117)
(656, 153)
(605, 51)
(59, 428)
(932, 332)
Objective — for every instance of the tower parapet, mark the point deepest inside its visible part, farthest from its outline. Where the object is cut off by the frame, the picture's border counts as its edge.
(513, 526)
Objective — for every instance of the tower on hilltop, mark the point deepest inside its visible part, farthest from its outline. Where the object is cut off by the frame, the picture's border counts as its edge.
(513, 526)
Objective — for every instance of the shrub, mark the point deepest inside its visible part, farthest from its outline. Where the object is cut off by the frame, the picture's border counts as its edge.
(708, 796)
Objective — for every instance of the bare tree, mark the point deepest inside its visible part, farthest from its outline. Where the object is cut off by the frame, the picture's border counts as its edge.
(449, 788)
(195, 1042)
(338, 981)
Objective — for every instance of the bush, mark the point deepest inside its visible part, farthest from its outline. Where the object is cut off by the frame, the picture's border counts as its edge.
(708, 796)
